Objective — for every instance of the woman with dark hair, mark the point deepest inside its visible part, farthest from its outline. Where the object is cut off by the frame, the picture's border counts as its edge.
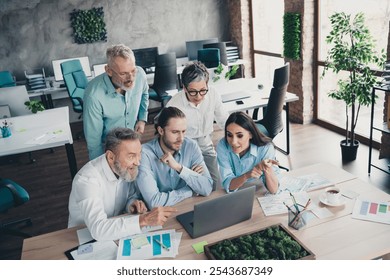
(246, 156)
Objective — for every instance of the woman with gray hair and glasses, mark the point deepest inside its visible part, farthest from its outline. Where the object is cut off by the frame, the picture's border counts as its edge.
(202, 105)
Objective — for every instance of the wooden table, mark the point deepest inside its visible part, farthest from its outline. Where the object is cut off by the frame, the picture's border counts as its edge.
(337, 237)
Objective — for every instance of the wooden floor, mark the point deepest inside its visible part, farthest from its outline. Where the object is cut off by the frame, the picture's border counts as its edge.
(48, 180)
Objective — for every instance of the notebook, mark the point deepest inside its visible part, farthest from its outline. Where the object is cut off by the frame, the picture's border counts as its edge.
(219, 213)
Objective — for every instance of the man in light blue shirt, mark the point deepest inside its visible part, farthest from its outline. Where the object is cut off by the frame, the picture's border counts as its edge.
(117, 98)
(172, 166)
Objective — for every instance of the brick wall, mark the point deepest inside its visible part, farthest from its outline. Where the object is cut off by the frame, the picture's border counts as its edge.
(385, 139)
(241, 31)
(302, 71)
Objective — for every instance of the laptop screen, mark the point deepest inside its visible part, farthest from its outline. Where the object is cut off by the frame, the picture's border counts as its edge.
(219, 213)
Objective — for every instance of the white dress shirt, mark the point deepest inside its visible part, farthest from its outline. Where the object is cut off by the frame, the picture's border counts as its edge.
(200, 119)
(97, 195)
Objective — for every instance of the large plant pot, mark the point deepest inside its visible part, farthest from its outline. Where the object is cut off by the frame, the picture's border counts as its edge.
(349, 150)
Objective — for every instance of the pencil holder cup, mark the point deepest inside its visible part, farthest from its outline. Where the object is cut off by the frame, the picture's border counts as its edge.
(296, 220)
(6, 131)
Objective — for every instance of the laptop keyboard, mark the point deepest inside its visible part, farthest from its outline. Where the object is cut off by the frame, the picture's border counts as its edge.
(234, 96)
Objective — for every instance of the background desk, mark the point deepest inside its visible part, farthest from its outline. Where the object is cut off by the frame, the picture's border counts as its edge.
(337, 237)
(26, 128)
(48, 94)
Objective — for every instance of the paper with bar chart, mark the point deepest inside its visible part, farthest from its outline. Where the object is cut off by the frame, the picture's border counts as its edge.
(157, 244)
(372, 211)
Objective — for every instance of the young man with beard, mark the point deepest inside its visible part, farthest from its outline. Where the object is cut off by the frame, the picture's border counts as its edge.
(117, 98)
(105, 188)
(172, 166)
(204, 105)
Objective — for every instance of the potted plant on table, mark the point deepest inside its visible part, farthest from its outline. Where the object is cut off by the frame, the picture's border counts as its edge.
(223, 71)
(352, 50)
(34, 106)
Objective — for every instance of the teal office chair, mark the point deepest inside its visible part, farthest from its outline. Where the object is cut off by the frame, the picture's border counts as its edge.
(165, 78)
(75, 81)
(222, 50)
(6, 79)
(12, 195)
(209, 57)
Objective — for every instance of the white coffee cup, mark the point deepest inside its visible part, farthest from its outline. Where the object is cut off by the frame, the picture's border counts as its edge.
(333, 195)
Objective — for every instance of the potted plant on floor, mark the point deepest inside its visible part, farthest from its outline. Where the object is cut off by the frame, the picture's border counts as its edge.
(352, 50)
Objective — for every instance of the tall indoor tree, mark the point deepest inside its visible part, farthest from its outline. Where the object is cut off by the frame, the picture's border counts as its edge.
(352, 50)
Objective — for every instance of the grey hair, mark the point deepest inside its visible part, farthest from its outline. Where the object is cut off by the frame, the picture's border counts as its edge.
(116, 135)
(119, 50)
(194, 72)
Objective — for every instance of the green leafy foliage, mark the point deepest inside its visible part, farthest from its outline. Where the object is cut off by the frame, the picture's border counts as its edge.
(88, 25)
(292, 35)
(353, 50)
(34, 106)
(228, 75)
(272, 243)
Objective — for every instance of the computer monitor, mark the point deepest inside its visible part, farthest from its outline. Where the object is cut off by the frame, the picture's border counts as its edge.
(194, 46)
(99, 69)
(146, 58)
(15, 97)
(57, 67)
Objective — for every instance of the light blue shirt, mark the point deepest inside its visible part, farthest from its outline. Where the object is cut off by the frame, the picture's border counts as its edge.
(232, 166)
(105, 109)
(161, 185)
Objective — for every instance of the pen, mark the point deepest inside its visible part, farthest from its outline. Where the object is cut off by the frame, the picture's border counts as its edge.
(289, 208)
(40, 137)
(161, 244)
(307, 203)
(295, 202)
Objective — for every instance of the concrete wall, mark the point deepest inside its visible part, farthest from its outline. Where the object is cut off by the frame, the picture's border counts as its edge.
(35, 32)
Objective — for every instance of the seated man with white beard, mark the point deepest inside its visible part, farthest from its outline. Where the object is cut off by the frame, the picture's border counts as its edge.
(105, 188)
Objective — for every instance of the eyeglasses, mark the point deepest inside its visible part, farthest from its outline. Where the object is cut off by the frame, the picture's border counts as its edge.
(125, 74)
(196, 92)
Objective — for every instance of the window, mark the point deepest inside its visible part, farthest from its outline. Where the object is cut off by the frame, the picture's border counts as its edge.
(267, 28)
(377, 14)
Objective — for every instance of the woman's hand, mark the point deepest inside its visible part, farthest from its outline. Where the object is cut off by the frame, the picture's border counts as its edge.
(266, 164)
(256, 172)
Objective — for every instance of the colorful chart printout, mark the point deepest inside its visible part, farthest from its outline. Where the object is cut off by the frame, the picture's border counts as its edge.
(372, 211)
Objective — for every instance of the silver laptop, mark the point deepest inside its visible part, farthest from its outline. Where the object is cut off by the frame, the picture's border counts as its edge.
(237, 95)
(219, 213)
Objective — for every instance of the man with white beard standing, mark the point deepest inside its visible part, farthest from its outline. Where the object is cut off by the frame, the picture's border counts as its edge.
(117, 98)
(105, 188)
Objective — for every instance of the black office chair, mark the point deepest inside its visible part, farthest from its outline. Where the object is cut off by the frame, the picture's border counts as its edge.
(272, 122)
(12, 195)
(165, 78)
